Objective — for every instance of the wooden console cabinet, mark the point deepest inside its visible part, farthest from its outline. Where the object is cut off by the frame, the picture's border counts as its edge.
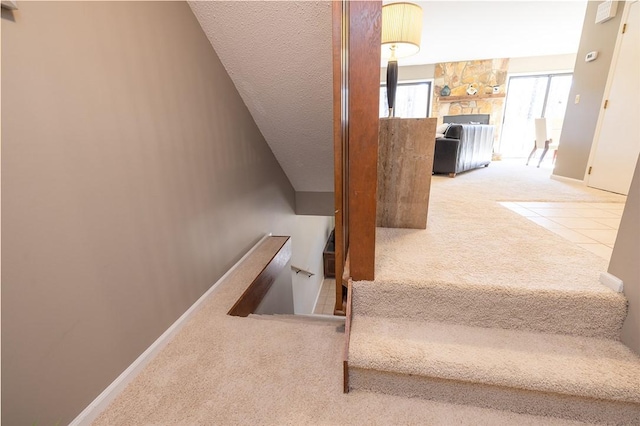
(405, 165)
(329, 256)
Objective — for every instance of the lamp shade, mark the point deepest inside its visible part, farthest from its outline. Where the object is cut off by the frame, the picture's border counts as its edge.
(401, 29)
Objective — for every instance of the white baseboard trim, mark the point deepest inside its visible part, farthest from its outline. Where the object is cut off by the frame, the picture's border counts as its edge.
(568, 180)
(315, 302)
(335, 318)
(102, 401)
(612, 282)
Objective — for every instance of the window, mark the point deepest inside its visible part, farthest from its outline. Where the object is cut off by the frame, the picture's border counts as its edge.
(413, 100)
(530, 97)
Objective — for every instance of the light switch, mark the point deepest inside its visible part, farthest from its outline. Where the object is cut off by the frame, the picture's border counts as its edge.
(577, 101)
(591, 56)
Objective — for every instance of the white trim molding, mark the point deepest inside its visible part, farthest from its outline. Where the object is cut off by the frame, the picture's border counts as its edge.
(102, 401)
(611, 281)
(568, 180)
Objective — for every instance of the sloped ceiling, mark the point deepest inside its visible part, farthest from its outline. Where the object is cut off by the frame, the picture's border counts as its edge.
(278, 55)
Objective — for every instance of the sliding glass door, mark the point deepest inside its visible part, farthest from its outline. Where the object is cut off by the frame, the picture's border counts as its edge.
(528, 98)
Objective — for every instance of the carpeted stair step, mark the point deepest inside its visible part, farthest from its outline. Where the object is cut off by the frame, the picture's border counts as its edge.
(591, 313)
(580, 378)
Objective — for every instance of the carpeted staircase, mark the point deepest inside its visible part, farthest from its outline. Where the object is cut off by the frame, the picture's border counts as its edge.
(486, 309)
(528, 350)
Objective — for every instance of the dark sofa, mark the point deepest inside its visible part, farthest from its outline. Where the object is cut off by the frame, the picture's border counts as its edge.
(463, 147)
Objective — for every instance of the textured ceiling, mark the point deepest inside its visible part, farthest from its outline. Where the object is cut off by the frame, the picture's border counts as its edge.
(278, 55)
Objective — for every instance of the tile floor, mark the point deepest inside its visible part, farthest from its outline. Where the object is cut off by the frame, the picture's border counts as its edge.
(327, 298)
(592, 226)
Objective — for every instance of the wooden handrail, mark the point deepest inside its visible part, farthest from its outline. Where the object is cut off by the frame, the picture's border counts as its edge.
(253, 295)
(304, 271)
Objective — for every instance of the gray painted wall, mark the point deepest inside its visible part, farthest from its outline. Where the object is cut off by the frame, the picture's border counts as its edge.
(589, 80)
(133, 177)
(542, 64)
(315, 203)
(279, 298)
(309, 237)
(624, 261)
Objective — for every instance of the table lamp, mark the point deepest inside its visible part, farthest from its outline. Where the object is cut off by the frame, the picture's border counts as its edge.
(401, 33)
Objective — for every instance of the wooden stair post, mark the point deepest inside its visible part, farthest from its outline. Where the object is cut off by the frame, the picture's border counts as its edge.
(356, 92)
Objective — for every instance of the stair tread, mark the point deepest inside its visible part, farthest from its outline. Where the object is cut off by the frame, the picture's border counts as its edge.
(597, 314)
(391, 285)
(570, 365)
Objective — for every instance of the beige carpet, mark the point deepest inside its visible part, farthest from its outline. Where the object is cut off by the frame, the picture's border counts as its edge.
(512, 181)
(230, 371)
(575, 378)
(477, 256)
(486, 308)
(569, 365)
(222, 370)
(471, 238)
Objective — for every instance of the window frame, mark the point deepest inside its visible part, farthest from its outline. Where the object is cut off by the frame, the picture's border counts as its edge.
(428, 81)
(516, 76)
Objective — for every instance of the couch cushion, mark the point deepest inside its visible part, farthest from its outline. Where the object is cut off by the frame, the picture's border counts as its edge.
(465, 147)
(454, 131)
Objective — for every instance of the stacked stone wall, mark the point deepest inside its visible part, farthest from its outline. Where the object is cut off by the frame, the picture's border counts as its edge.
(488, 77)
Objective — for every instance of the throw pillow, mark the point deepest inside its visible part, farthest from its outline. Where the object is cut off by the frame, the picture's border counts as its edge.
(442, 129)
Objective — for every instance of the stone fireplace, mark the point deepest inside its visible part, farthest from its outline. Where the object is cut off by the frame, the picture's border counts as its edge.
(488, 77)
